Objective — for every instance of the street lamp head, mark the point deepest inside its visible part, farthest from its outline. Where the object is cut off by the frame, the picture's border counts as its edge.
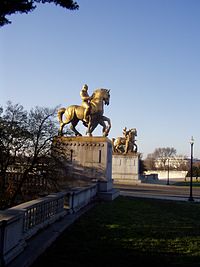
(192, 140)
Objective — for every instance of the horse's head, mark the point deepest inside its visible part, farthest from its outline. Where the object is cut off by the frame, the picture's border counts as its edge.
(103, 94)
(107, 97)
(134, 131)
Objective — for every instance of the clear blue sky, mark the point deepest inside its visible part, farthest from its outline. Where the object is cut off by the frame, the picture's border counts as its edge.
(147, 52)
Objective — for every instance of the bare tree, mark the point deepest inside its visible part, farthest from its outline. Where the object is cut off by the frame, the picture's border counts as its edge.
(158, 159)
(41, 127)
(25, 141)
(150, 162)
(13, 136)
(142, 165)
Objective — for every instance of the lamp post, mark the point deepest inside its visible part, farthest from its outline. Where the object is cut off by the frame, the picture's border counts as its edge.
(191, 169)
(168, 172)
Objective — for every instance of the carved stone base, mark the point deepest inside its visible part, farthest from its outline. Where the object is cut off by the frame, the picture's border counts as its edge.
(85, 160)
(125, 168)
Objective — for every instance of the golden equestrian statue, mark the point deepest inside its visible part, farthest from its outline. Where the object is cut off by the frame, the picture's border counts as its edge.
(127, 143)
(90, 113)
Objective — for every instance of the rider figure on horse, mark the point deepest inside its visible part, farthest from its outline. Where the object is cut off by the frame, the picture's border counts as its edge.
(85, 102)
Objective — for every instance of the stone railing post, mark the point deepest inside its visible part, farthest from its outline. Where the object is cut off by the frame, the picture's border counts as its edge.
(2, 238)
(11, 241)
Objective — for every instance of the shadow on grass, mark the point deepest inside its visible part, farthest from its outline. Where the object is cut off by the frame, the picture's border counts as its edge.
(130, 232)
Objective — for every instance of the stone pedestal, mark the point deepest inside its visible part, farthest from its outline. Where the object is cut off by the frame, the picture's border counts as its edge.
(125, 168)
(85, 160)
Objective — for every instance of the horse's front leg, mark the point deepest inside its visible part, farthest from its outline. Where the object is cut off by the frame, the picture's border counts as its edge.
(89, 127)
(102, 123)
(106, 129)
(136, 148)
(93, 125)
(109, 124)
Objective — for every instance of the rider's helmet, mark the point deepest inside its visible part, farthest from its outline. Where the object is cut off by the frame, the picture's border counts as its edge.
(85, 87)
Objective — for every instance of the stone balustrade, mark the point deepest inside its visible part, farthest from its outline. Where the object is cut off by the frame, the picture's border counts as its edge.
(82, 196)
(21, 222)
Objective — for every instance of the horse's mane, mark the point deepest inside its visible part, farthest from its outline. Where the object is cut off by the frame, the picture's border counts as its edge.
(97, 91)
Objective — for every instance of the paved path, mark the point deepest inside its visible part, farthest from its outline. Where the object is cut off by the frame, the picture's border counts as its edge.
(169, 192)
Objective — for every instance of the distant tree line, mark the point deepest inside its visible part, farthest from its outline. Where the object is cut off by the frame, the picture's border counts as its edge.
(166, 157)
(25, 142)
(9, 7)
(195, 171)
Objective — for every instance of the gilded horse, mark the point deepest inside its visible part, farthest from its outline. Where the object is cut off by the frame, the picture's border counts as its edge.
(74, 113)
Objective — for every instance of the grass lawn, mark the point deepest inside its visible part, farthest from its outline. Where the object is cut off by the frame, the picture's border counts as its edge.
(187, 183)
(130, 232)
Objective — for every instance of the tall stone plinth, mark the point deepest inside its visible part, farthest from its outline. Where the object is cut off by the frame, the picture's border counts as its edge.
(86, 160)
(125, 168)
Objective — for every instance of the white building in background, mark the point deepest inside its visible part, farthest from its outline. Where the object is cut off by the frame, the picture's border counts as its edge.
(172, 174)
(176, 163)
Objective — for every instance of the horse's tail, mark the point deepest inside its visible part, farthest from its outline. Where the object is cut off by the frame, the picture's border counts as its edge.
(61, 111)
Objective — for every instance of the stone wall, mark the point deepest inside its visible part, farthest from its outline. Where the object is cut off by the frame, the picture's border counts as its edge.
(172, 174)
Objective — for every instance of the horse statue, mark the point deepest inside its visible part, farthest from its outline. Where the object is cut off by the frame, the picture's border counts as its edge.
(127, 143)
(74, 113)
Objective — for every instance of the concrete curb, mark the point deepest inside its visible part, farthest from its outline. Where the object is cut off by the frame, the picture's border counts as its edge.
(172, 198)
